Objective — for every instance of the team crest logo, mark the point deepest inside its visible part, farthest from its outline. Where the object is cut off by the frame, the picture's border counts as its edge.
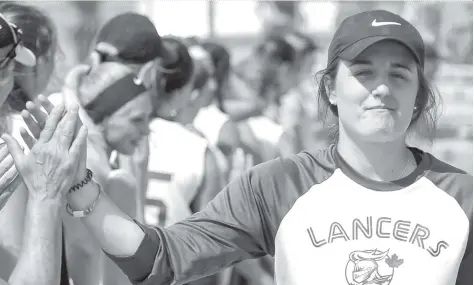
(371, 267)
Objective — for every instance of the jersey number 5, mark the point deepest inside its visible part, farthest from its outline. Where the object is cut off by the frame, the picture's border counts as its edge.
(155, 208)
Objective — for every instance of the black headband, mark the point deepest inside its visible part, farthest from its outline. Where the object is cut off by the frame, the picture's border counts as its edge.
(114, 97)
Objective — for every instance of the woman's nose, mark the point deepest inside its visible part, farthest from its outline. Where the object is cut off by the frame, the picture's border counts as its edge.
(382, 90)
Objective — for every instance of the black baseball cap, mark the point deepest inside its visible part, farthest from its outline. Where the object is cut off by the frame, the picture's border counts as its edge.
(11, 46)
(135, 38)
(358, 32)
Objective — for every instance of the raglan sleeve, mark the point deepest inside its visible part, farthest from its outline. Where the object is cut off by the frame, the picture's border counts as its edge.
(465, 200)
(465, 273)
(233, 227)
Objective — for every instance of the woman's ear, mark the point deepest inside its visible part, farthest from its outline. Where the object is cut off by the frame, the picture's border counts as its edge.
(329, 88)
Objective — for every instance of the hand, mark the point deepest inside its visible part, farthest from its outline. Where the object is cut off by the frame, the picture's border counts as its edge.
(9, 178)
(48, 170)
(73, 79)
(35, 120)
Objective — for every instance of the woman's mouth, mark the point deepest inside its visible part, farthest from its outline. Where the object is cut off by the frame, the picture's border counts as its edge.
(380, 108)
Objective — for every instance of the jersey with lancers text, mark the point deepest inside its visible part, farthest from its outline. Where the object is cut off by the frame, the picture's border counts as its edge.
(326, 224)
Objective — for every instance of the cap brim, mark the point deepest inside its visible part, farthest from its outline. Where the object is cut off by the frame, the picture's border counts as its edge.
(357, 48)
(25, 56)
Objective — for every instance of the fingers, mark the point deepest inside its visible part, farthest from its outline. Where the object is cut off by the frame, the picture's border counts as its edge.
(79, 144)
(47, 105)
(8, 177)
(14, 147)
(52, 123)
(27, 138)
(37, 113)
(74, 76)
(67, 126)
(6, 164)
(3, 150)
(32, 125)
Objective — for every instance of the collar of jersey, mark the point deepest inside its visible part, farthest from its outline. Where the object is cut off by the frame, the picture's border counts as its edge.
(423, 161)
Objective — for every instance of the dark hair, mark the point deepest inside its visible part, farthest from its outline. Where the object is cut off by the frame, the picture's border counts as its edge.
(39, 35)
(181, 70)
(426, 104)
(221, 60)
(274, 50)
(277, 49)
(39, 32)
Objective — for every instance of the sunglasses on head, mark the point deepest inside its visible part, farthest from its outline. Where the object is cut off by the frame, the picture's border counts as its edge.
(18, 36)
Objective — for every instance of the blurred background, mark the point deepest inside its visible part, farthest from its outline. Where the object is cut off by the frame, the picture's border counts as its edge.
(240, 24)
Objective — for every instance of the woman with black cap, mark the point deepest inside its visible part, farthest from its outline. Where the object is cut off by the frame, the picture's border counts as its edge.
(30, 216)
(363, 211)
(39, 36)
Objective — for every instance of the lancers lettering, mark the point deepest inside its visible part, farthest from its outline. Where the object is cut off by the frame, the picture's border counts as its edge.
(383, 227)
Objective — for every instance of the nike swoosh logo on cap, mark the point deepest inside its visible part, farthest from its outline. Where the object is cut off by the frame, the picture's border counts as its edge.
(137, 81)
(378, 24)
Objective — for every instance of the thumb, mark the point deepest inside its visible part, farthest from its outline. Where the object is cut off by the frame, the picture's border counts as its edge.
(15, 149)
(75, 75)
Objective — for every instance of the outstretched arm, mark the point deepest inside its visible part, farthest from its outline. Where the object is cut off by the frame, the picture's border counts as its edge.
(230, 229)
(46, 172)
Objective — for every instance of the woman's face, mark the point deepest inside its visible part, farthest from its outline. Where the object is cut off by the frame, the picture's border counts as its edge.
(124, 129)
(34, 80)
(375, 93)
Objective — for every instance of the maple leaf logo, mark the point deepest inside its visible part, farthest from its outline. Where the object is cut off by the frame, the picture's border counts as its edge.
(394, 261)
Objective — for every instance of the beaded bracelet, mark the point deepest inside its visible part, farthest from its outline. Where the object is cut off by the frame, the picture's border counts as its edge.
(86, 180)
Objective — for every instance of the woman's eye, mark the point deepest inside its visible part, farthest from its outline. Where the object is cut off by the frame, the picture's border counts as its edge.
(398, 75)
(362, 73)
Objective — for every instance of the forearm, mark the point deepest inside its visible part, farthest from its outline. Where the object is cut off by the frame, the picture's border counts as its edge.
(40, 257)
(116, 232)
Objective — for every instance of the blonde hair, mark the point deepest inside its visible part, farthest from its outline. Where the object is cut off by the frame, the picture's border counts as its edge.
(100, 78)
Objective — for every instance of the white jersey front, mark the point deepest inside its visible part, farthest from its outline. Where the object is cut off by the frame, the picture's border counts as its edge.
(175, 170)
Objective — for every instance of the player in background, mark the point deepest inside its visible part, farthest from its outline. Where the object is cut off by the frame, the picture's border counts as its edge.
(256, 86)
(298, 112)
(183, 172)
